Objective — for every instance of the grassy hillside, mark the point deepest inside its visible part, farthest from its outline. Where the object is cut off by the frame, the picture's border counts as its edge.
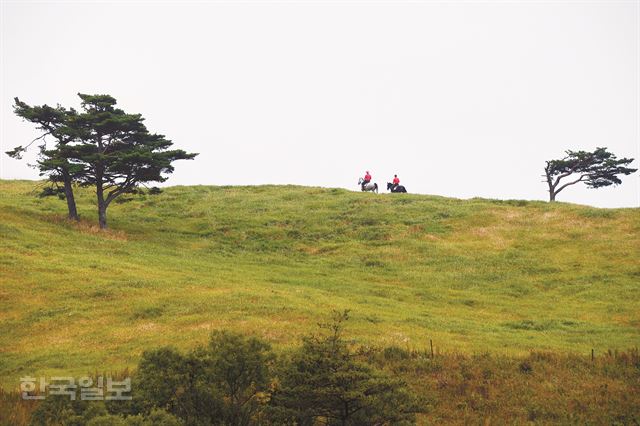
(474, 276)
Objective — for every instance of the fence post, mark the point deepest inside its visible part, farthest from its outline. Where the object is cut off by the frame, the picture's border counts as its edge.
(431, 344)
(592, 355)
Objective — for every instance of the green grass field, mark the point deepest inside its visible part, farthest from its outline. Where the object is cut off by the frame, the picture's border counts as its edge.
(504, 277)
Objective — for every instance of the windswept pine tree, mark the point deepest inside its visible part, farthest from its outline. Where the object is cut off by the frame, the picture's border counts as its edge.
(119, 152)
(100, 146)
(60, 125)
(596, 169)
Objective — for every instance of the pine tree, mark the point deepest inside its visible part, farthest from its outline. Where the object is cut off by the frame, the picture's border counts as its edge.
(118, 151)
(58, 124)
(324, 382)
(596, 169)
(100, 146)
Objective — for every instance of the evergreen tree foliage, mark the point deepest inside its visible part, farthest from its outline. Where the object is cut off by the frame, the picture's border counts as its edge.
(56, 123)
(596, 169)
(324, 383)
(99, 146)
(226, 382)
(119, 152)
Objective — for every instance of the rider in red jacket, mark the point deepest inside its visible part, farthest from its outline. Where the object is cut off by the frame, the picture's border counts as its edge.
(366, 179)
(396, 182)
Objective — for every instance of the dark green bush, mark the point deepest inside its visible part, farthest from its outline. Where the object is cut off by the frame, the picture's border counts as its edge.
(226, 382)
(234, 381)
(324, 383)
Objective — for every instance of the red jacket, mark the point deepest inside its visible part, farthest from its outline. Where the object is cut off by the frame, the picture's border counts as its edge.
(367, 177)
(396, 180)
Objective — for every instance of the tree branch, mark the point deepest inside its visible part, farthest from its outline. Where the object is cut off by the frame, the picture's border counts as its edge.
(571, 183)
(563, 175)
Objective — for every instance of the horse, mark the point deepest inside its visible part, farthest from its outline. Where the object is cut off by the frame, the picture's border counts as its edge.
(373, 187)
(396, 188)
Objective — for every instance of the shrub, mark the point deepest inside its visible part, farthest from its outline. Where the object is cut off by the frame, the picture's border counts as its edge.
(226, 382)
(239, 368)
(61, 410)
(323, 382)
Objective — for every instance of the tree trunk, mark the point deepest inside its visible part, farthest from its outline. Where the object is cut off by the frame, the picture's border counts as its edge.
(102, 205)
(68, 194)
(552, 188)
(102, 215)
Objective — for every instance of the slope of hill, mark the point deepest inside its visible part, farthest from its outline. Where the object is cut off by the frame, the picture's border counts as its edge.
(474, 276)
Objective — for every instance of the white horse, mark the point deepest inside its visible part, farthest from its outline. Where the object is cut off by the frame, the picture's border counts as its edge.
(373, 187)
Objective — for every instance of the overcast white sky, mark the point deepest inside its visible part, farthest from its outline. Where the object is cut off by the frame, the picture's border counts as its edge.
(459, 99)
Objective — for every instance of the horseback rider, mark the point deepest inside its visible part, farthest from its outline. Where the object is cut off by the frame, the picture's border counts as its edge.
(366, 180)
(396, 181)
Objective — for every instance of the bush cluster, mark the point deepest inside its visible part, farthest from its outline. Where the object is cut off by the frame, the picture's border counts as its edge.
(237, 380)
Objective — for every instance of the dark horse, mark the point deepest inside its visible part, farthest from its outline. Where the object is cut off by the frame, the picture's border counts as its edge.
(396, 188)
